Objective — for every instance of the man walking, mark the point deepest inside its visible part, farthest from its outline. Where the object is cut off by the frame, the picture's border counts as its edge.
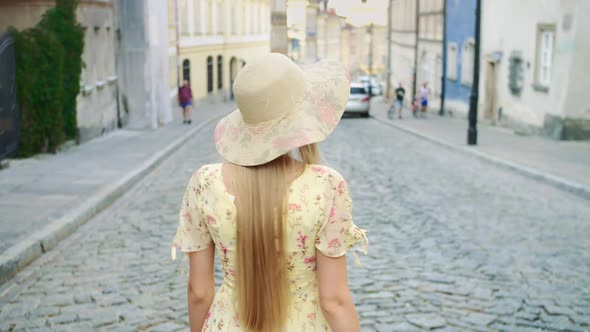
(400, 94)
(185, 98)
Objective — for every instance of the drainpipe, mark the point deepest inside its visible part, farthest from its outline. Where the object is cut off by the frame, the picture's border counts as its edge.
(473, 101)
(441, 112)
(417, 29)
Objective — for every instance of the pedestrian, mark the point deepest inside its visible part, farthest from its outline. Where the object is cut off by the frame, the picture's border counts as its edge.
(424, 95)
(280, 223)
(400, 93)
(185, 99)
(415, 106)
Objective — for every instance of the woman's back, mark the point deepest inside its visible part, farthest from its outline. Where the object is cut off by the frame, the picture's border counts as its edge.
(318, 218)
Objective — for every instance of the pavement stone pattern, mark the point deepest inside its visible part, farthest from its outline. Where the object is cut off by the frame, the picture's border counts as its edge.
(454, 245)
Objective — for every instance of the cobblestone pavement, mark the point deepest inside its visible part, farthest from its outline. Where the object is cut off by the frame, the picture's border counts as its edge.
(454, 245)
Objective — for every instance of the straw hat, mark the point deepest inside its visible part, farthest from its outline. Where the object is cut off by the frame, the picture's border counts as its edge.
(281, 107)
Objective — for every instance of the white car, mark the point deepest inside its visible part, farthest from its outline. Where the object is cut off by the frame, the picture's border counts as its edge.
(359, 101)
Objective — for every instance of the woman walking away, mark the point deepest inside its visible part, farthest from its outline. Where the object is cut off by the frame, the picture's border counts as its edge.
(280, 223)
(424, 95)
(185, 98)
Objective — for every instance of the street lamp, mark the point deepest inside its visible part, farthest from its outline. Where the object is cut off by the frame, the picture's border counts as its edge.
(370, 56)
(474, 99)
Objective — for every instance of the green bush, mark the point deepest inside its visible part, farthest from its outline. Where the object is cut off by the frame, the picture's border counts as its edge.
(48, 66)
(39, 72)
(61, 21)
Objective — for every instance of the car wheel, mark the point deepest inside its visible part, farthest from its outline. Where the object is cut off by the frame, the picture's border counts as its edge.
(365, 115)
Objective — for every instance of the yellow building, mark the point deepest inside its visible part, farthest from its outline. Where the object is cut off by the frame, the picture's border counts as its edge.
(216, 39)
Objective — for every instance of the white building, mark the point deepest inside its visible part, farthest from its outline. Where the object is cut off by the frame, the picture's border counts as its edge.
(430, 48)
(534, 69)
(403, 43)
(143, 63)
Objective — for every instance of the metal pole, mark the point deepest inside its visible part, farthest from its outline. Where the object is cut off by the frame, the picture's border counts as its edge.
(371, 61)
(178, 78)
(441, 112)
(473, 101)
(417, 29)
(388, 86)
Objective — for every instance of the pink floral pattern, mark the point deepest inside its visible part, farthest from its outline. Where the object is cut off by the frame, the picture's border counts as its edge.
(314, 117)
(319, 219)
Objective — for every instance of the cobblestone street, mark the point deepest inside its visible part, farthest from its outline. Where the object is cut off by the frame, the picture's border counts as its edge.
(455, 244)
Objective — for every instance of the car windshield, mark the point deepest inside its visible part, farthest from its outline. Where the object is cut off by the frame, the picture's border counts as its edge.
(358, 91)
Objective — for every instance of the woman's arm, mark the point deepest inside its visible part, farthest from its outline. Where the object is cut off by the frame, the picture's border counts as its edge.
(201, 286)
(335, 296)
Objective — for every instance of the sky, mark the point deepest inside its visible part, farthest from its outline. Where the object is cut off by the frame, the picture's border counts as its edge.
(374, 11)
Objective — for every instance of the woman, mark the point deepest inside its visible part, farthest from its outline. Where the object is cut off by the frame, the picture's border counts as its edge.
(280, 224)
(185, 98)
(424, 95)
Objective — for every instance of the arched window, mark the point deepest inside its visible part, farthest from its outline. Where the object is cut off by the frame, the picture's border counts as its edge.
(209, 74)
(219, 72)
(467, 62)
(186, 70)
(452, 61)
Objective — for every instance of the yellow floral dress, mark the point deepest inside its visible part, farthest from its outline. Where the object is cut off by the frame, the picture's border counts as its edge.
(319, 218)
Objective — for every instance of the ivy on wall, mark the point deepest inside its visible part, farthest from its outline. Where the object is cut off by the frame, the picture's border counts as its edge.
(48, 68)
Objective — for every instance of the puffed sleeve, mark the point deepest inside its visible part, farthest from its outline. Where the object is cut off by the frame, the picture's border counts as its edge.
(192, 233)
(339, 233)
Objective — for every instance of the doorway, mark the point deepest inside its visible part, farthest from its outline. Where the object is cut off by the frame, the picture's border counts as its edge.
(490, 92)
(233, 72)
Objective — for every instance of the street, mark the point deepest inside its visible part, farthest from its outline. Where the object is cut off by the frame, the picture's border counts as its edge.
(455, 244)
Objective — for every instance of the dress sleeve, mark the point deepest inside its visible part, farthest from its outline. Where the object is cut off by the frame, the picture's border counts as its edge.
(192, 233)
(339, 233)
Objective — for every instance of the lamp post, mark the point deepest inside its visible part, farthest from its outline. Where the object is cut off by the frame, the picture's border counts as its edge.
(370, 56)
(388, 83)
(441, 112)
(473, 101)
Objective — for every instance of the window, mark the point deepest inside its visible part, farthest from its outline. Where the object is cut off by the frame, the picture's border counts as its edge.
(467, 62)
(545, 42)
(358, 91)
(198, 29)
(186, 70)
(220, 23)
(184, 17)
(219, 72)
(452, 61)
(209, 74)
(234, 21)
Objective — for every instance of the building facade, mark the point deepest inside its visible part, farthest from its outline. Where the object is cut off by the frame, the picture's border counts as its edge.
(534, 67)
(97, 110)
(430, 48)
(329, 40)
(460, 48)
(278, 31)
(297, 25)
(217, 38)
(403, 43)
(143, 63)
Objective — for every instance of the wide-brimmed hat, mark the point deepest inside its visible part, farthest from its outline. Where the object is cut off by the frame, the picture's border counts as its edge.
(281, 106)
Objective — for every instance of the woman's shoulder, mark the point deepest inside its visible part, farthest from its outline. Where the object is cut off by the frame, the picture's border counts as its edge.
(206, 171)
(328, 174)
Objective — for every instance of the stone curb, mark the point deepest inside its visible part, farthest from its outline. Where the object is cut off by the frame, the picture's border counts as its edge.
(555, 181)
(20, 255)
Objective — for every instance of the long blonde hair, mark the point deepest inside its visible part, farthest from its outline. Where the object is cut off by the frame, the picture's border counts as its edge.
(261, 199)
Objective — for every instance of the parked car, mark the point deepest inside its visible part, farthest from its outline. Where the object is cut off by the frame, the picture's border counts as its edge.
(376, 90)
(359, 101)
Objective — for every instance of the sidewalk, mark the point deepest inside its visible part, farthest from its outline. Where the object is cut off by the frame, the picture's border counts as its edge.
(565, 164)
(46, 198)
